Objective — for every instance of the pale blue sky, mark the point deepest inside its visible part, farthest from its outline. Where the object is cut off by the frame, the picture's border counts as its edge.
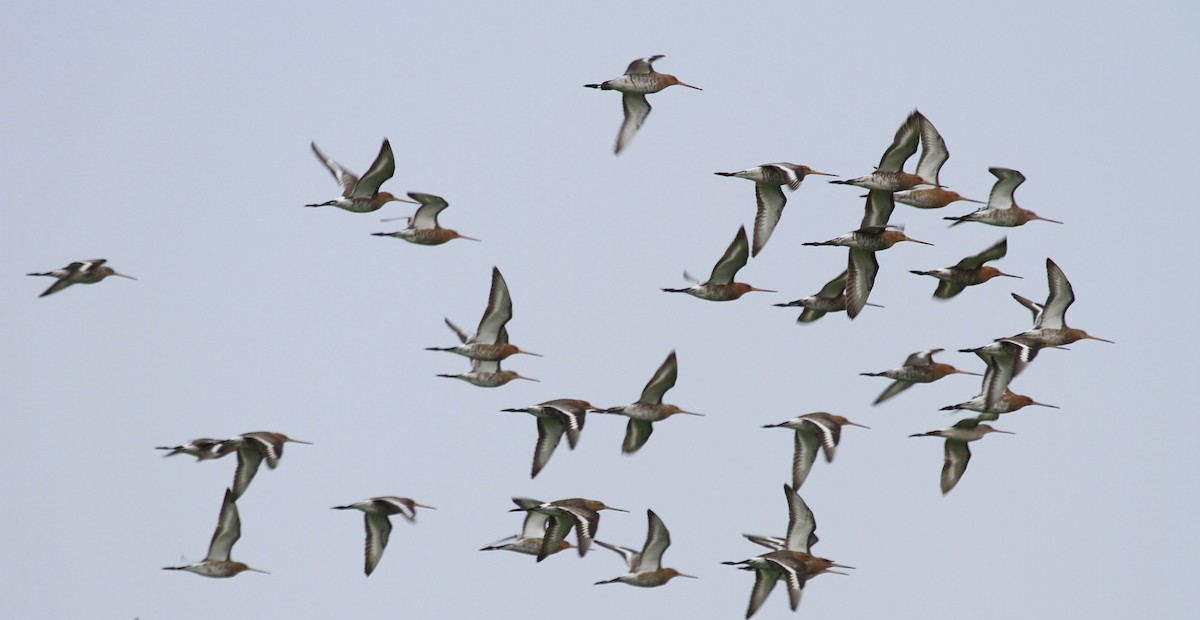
(173, 141)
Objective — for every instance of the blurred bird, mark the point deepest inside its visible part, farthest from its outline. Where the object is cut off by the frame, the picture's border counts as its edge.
(252, 448)
(79, 272)
(533, 531)
(229, 530)
(645, 566)
(1005, 403)
(423, 226)
(831, 298)
(801, 530)
(553, 418)
(582, 514)
(720, 285)
(769, 180)
(1050, 320)
(649, 406)
(361, 195)
(1005, 359)
(968, 272)
(814, 431)
(202, 448)
(918, 368)
(486, 343)
(792, 567)
(1001, 209)
(640, 79)
(957, 452)
(379, 527)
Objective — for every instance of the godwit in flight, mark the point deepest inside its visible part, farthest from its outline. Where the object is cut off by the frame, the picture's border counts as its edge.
(582, 514)
(814, 431)
(640, 79)
(769, 180)
(553, 418)
(645, 566)
(862, 266)
(533, 531)
(649, 406)
(1005, 359)
(252, 448)
(957, 452)
(918, 368)
(890, 176)
(229, 530)
(1008, 402)
(486, 344)
(423, 226)
(1049, 321)
(361, 195)
(79, 272)
(202, 448)
(831, 298)
(968, 272)
(1001, 209)
(792, 567)
(934, 154)
(720, 285)
(379, 527)
(801, 530)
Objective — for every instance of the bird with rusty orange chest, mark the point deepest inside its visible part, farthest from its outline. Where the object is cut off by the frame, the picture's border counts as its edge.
(720, 285)
(423, 228)
(968, 271)
(361, 195)
(645, 566)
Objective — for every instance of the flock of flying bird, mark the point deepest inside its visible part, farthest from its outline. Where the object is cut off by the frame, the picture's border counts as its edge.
(547, 524)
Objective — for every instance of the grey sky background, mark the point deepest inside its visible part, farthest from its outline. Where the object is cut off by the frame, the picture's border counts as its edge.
(173, 141)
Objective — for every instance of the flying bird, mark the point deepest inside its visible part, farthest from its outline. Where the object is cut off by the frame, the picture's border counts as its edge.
(649, 406)
(640, 79)
(486, 344)
(229, 530)
(801, 530)
(814, 431)
(1050, 319)
(79, 272)
(1001, 209)
(968, 271)
(423, 228)
(361, 195)
(720, 285)
(831, 298)
(533, 531)
(862, 266)
(918, 368)
(645, 566)
(203, 448)
(554, 417)
(375, 515)
(934, 154)
(252, 448)
(582, 514)
(890, 176)
(769, 180)
(792, 567)
(957, 453)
